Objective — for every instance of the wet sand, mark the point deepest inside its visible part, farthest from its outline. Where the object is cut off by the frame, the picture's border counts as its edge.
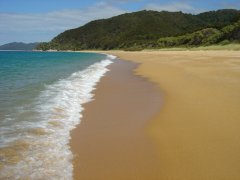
(111, 141)
(197, 132)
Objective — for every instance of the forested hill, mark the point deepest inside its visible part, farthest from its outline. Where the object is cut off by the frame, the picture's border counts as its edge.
(143, 29)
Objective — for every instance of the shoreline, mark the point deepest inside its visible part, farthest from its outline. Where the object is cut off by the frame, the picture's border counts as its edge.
(195, 136)
(118, 146)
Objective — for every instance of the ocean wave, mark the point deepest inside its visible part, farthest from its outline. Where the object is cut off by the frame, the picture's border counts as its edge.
(40, 150)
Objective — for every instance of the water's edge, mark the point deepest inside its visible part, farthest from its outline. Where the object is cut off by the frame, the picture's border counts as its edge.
(44, 152)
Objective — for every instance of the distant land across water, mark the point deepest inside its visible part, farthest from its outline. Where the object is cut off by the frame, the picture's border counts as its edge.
(19, 46)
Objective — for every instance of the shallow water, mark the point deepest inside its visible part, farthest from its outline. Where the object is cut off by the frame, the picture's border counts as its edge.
(41, 97)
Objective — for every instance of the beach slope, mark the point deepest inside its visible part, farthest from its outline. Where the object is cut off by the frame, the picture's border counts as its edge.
(197, 131)
(111, 141)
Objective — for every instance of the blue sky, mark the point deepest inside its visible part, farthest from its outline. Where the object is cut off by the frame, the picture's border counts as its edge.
(37, 21)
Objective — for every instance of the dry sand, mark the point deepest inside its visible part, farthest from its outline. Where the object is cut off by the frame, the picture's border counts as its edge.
(197, 132)
(111, 142)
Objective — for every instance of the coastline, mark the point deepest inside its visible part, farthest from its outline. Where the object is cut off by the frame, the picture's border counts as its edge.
(195, 136)
(111, 141)
(38, 112)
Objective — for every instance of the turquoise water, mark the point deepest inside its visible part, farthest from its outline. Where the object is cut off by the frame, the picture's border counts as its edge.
(24, 74)
(41, 97)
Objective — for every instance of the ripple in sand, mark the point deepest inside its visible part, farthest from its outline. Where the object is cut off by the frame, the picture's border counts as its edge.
(38, 131)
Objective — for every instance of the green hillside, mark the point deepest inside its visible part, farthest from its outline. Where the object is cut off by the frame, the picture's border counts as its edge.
(204, 37)
(149, 29)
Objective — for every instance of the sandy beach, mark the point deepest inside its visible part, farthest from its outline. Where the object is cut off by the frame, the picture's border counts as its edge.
(195, 135)
(197, 131)
(111, 141)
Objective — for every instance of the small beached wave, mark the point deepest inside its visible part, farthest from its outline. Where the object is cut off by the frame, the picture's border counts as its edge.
(37, 148)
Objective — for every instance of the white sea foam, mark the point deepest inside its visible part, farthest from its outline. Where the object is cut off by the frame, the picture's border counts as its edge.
(43, 151)
(111, 56)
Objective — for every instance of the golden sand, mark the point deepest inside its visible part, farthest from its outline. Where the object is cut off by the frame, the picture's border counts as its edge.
(197, 132)
(111, 143)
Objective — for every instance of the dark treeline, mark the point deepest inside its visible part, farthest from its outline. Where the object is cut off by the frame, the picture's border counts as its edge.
(151, 29)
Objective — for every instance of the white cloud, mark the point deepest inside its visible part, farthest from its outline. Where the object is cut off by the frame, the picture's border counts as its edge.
(172, 7)
(52, 22)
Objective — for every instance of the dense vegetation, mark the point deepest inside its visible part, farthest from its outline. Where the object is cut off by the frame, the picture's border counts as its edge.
(151, 29)
(204, 37)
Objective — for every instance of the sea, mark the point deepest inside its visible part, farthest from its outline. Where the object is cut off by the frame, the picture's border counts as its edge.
(41, 101)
